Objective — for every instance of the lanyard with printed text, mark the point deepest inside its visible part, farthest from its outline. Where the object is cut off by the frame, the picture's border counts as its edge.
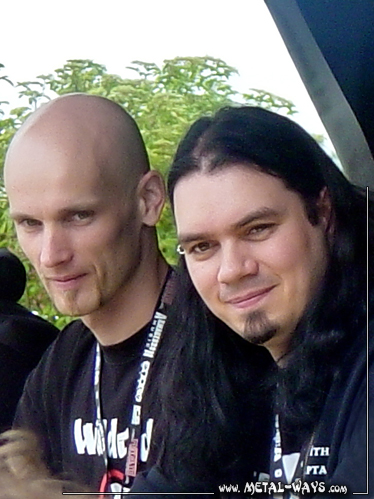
(149, 352)
(288, 472)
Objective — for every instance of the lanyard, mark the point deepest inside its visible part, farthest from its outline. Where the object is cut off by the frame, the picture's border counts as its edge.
(277, 468)
(149, 352)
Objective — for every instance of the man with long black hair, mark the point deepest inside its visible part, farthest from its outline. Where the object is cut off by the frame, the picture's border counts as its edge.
(275, 244)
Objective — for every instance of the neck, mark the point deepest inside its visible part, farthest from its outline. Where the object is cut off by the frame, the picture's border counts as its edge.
(278, 350)
(132, 308)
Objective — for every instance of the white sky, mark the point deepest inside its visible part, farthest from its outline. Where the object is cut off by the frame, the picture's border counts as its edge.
(38, 36)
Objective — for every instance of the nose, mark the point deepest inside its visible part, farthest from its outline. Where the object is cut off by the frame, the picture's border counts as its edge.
(55, 248)
(236, 262)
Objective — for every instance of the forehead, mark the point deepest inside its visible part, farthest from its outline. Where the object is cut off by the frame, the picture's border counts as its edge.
(205, 201)
(56, 169)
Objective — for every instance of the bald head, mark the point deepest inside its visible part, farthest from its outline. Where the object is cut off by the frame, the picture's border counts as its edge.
(84, 201)
(80, 124)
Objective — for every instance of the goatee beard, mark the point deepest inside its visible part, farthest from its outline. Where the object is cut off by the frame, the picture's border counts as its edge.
(258, 328)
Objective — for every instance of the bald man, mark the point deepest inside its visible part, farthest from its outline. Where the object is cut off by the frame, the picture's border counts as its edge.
(85, 203)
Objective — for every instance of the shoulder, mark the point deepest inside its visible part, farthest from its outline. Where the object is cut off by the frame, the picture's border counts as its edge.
(69, 349)
(74, 341)
(348, 416)
(74, 332)
(357, 371)
(57, 370)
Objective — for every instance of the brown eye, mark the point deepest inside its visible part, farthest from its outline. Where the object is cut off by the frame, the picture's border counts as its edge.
(200, 248)
(261, 230)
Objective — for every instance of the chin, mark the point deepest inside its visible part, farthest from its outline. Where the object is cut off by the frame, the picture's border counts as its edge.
(69, 311)
(259, 329)
(74, 309)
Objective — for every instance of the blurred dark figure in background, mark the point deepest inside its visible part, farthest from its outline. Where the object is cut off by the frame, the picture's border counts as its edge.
(23, 336)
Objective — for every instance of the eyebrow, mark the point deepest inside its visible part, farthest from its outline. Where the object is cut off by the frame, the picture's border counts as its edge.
(15, 215)
(261, 213)
(91, 206)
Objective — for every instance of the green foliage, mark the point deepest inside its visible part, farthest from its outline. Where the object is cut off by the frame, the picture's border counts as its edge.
(269, 101)
(77, 75)
(5, 78)
(164, 100)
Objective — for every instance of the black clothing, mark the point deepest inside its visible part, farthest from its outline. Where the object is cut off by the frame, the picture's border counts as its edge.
(24, 337)
(338, 452)
(341, 440)
(12, 276)
(155, 481)
(58, 404)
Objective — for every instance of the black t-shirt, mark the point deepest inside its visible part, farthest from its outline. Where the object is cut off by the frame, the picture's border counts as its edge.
(335, 457)
(336, 454)
(59, 405)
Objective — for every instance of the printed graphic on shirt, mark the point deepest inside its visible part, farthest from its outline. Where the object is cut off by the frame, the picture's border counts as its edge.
(87, 441)
(288, 469)
(316, 463)
(285, 467)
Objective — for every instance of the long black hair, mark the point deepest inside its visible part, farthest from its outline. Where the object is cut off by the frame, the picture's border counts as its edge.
(215, 423)
(277, 146)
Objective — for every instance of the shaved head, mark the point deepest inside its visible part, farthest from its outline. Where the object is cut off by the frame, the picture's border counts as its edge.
(78, 122)
(84, 202)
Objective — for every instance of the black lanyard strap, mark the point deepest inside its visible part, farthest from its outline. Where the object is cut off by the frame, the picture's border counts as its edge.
(277, 470)
(154, 333)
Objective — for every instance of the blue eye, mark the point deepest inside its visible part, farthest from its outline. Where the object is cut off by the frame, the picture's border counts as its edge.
(29, 223)
(259, 228)
(81, 216)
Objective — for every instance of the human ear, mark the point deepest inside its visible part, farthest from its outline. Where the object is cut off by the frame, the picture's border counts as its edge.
(325, 212)
(151, 197)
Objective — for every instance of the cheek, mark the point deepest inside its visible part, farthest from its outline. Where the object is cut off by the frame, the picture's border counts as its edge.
(286, 254)
(105, 238)
(299, 266)
(126, 231)
(118, 251)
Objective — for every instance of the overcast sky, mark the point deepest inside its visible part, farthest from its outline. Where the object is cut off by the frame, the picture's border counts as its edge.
(38, 36)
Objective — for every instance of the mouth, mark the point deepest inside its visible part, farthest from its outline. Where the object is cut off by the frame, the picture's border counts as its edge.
(66, 282)
(250, 299)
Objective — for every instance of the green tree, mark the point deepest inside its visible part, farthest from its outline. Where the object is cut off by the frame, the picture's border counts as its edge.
(164, 100)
